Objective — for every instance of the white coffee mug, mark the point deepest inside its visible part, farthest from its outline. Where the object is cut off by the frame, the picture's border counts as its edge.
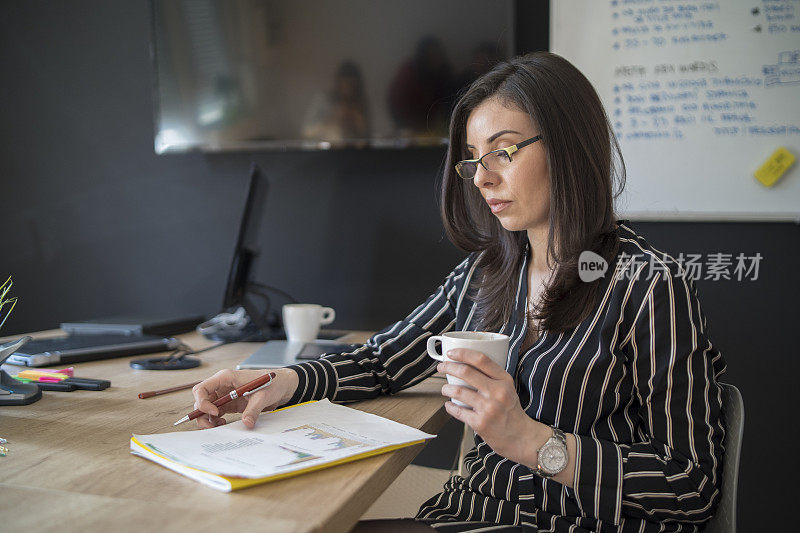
(494, 345)
(302, 321)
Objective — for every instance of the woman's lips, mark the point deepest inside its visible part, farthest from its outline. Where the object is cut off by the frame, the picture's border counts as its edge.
(498, 205)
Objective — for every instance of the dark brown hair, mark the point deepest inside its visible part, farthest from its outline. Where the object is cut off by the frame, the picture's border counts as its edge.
(584, 159)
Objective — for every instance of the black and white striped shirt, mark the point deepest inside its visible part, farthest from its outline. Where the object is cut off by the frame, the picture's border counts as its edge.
(635, 382)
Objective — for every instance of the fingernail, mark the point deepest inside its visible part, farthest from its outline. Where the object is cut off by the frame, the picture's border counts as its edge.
(451, 353)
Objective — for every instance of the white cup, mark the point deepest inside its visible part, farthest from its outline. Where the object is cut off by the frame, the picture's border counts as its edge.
(302, 321)
(493, 345)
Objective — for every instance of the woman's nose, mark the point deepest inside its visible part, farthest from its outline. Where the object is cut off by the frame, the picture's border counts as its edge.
(484, 178)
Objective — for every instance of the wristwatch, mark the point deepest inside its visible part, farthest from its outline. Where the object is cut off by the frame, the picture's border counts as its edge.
(553, 455)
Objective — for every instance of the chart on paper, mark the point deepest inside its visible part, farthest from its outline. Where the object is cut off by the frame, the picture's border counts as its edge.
(310, 442)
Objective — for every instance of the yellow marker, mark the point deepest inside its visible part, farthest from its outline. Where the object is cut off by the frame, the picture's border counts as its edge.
(775, 167)
(34, 374)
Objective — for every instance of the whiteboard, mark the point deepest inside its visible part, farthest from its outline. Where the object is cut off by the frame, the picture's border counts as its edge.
(699, 93)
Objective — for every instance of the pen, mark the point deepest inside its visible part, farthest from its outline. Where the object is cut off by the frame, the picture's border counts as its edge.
(149, 394)
(245, 390)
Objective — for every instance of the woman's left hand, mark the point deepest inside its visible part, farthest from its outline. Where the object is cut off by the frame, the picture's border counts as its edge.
(496, 414)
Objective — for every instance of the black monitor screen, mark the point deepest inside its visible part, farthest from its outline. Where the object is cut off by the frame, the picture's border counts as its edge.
(246, 249)
(318, 74)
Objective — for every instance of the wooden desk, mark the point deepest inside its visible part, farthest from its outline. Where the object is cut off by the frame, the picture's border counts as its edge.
(69, 464)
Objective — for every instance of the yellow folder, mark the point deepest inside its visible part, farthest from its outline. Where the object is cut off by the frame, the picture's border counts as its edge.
(366, 423)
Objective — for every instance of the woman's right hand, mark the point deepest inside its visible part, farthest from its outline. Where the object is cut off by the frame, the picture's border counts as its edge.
(224, 381)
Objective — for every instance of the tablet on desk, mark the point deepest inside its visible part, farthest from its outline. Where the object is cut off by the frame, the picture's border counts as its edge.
(284, 353)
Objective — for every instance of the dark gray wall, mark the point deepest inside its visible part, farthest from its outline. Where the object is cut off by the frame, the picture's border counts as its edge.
(100, 224)
(93, 223)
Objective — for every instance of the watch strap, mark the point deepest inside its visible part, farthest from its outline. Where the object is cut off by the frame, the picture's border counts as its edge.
(558, 438)
(560, 435)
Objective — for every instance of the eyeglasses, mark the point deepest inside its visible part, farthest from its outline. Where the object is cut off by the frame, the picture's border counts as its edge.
(493, 161)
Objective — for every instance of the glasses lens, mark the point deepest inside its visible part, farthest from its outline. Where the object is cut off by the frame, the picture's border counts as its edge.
(497, 160)
(467, 169)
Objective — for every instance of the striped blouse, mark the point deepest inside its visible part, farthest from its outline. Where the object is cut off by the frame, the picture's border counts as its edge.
(635, 382)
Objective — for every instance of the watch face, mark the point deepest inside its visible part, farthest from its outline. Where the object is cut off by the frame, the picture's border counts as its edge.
(553, 458)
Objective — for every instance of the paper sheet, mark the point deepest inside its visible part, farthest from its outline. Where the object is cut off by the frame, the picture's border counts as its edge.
(307, 435)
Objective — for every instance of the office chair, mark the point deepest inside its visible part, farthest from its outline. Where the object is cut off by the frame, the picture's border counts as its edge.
(724, 521)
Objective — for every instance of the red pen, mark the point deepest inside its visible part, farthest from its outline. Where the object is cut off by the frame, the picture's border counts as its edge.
(245, 390)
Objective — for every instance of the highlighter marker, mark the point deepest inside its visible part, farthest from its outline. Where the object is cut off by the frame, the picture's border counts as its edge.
(88, 383)
(56, 386)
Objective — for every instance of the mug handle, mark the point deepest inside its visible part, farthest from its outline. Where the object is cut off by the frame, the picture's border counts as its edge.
(432, 347)
(328, 315)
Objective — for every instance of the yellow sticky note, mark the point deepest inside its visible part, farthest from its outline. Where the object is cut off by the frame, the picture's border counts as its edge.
(36, 374)
(775, 167)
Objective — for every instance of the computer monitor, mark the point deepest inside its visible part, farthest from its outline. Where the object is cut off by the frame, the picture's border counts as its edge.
(239, 289)
(246, 249)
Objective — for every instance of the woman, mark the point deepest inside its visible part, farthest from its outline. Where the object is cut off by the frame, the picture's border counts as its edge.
(342, 113)
(620, 366)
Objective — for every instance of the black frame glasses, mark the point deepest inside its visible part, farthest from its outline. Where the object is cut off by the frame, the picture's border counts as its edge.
(467, 168)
